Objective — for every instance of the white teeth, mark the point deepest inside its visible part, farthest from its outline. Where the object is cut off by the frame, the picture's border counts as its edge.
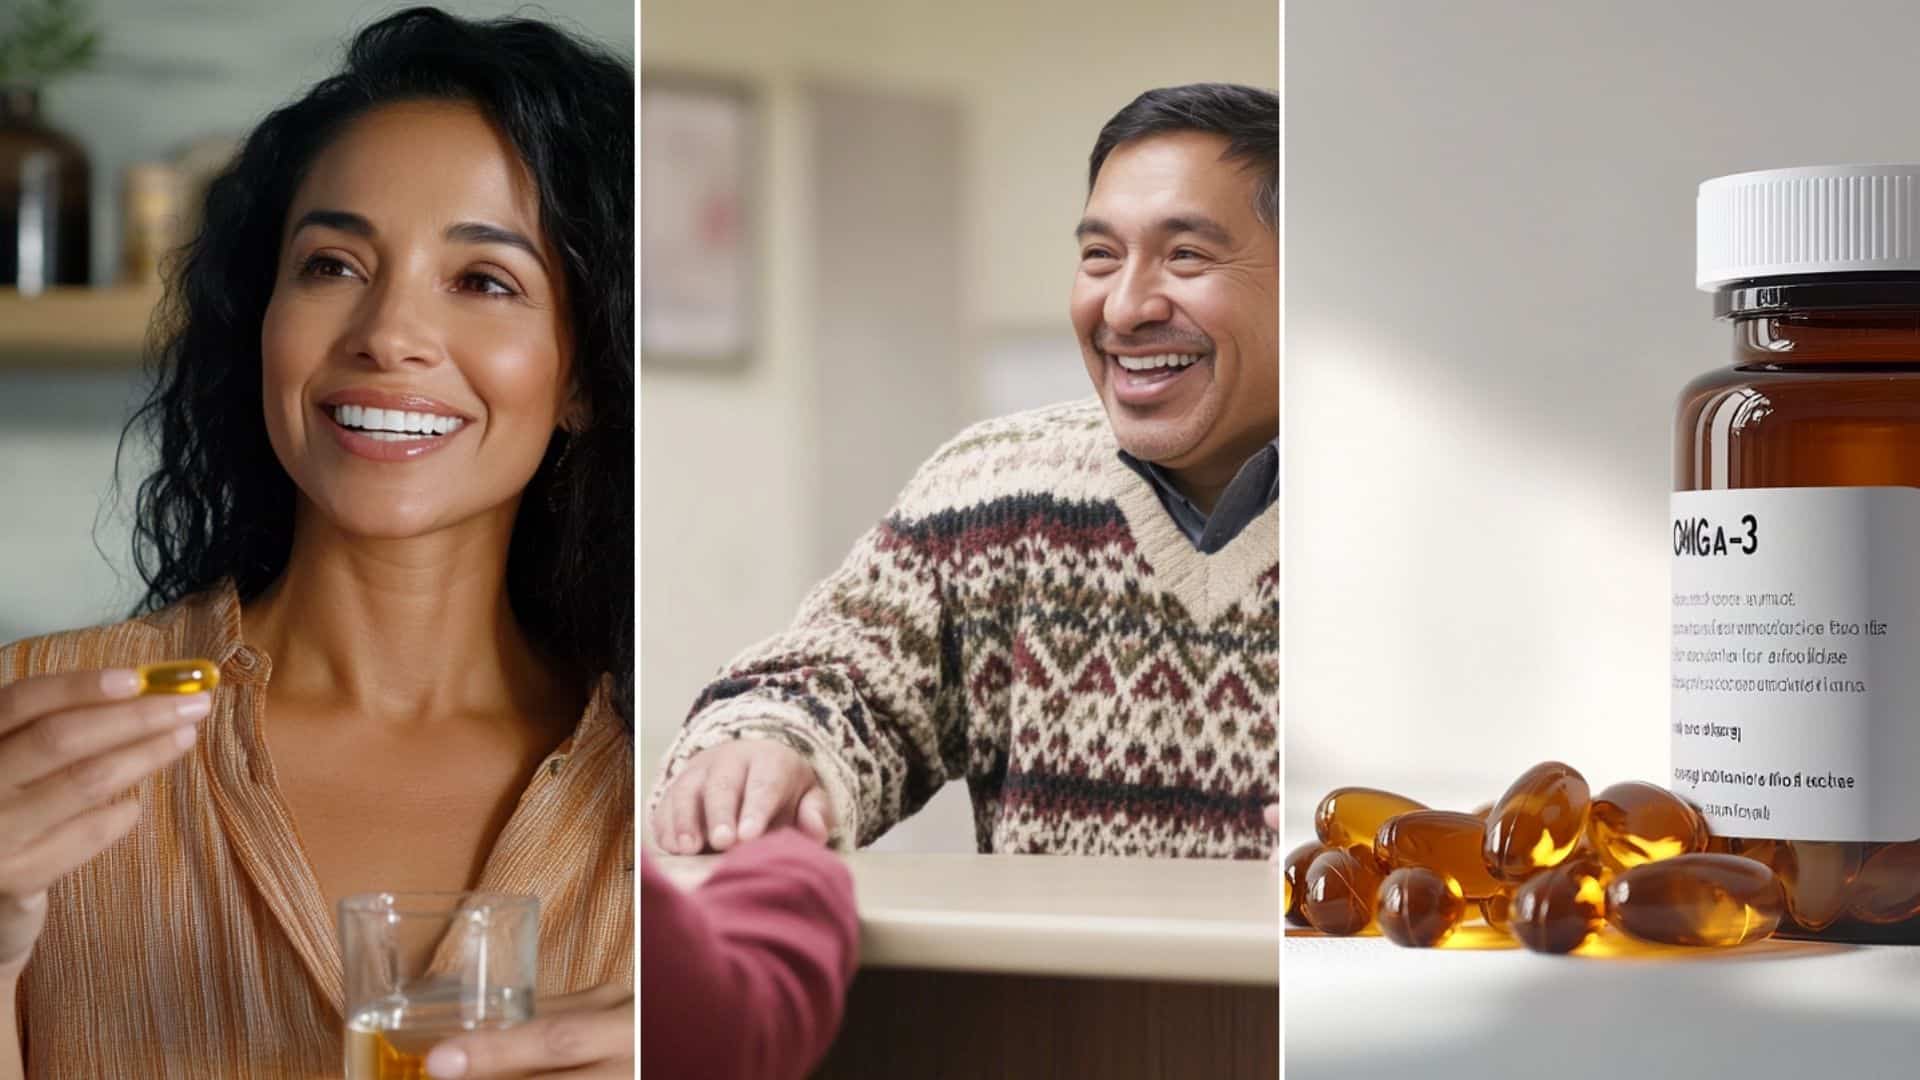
(393, 424)
(1151, 363)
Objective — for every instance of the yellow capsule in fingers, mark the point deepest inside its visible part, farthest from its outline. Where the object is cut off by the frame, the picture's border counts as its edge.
(179, 677)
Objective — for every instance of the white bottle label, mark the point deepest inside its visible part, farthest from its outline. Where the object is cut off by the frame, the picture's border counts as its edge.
(1796, 685)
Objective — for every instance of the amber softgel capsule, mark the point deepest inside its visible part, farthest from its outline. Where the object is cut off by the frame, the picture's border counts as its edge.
(1887, 889)
(1353, 815)
(1634, 823)
(1293, 877)
(1818, 878)
(1703, 899)
(1497, 911)
(1558, 910)
(1338, 890)
(179, 677)
(1418, 907)
(1444, 841)
(1537, 823)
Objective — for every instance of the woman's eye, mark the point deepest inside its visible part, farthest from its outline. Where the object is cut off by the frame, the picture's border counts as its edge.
(325, 266)
(476, 281)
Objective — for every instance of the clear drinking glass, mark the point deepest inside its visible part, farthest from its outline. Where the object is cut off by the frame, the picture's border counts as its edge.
(421, 967)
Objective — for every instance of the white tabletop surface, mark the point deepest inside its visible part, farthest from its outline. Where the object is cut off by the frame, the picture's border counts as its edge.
(1195, 920)
(1363, 1007)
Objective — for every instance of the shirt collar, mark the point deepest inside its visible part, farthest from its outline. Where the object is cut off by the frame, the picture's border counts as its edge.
(1254, 487)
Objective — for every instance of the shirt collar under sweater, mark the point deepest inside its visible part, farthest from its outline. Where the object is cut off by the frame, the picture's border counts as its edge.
(1254, 488)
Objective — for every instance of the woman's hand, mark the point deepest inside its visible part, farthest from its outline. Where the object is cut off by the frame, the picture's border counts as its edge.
(577, 1036)
(70, 745)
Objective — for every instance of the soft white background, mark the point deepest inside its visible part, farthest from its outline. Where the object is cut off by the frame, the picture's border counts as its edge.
(1490, 314)
(921, 167)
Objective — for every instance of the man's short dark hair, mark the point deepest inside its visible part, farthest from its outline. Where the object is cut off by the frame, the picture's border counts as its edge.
(1248, 116)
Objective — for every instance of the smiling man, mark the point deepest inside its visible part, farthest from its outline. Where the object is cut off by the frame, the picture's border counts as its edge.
(1074, 609)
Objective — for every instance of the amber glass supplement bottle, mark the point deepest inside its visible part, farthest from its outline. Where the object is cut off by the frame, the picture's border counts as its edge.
(1796, 596)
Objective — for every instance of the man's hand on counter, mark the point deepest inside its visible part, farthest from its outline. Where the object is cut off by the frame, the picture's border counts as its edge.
(736, 792)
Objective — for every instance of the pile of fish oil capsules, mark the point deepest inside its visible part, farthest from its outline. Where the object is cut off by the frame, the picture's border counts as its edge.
(1548, 864)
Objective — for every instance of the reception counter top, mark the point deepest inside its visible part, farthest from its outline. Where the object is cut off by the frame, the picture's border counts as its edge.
(1191, 920)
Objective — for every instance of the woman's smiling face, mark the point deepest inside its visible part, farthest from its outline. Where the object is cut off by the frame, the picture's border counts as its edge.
(416, 354)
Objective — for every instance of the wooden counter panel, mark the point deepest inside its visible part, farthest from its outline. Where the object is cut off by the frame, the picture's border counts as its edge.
(949, 1025)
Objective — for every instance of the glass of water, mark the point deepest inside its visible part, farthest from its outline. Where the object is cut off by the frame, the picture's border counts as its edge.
(422, 967)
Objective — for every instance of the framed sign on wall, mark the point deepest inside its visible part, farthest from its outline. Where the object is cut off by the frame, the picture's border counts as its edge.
(696, 188)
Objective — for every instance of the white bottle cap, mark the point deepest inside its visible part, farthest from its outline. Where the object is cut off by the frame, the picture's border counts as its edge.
(1819, 219)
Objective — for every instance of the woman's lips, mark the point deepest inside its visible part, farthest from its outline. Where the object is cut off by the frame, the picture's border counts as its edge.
(371, 397)
(386, 446)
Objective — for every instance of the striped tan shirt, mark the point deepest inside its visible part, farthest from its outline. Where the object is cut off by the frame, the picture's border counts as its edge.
(199, 945)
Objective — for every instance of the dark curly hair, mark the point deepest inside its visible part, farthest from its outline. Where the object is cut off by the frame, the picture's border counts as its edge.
(218, 504)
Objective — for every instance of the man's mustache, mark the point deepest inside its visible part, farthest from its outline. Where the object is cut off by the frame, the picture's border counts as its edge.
(1158, 342)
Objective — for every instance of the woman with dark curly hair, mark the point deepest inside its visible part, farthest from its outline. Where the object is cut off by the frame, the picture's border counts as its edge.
(393, 417)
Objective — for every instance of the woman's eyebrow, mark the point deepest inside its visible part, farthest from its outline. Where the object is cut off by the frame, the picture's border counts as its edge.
(466, 232)
(479, 232)
(344, 220)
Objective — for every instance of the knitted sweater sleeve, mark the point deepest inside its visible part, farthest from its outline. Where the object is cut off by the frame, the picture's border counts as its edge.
(862, 683)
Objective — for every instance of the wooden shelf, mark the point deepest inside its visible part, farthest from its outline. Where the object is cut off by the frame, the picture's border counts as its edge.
(73, 328)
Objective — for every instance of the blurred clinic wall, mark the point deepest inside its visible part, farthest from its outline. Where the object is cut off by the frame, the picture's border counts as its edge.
(918, 169)
(168, 75)
(1490, 315)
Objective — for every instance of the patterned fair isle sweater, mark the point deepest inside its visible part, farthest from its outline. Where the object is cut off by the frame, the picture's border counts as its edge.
(1029, 617)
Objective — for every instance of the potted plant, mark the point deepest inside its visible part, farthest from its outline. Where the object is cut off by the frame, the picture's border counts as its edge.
(45, 223)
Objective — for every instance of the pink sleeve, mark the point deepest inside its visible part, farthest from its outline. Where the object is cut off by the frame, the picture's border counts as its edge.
(746, 976)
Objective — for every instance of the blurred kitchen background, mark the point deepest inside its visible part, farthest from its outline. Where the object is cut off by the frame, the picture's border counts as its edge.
(1490, 313)
(171, 82)
(878, 251)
